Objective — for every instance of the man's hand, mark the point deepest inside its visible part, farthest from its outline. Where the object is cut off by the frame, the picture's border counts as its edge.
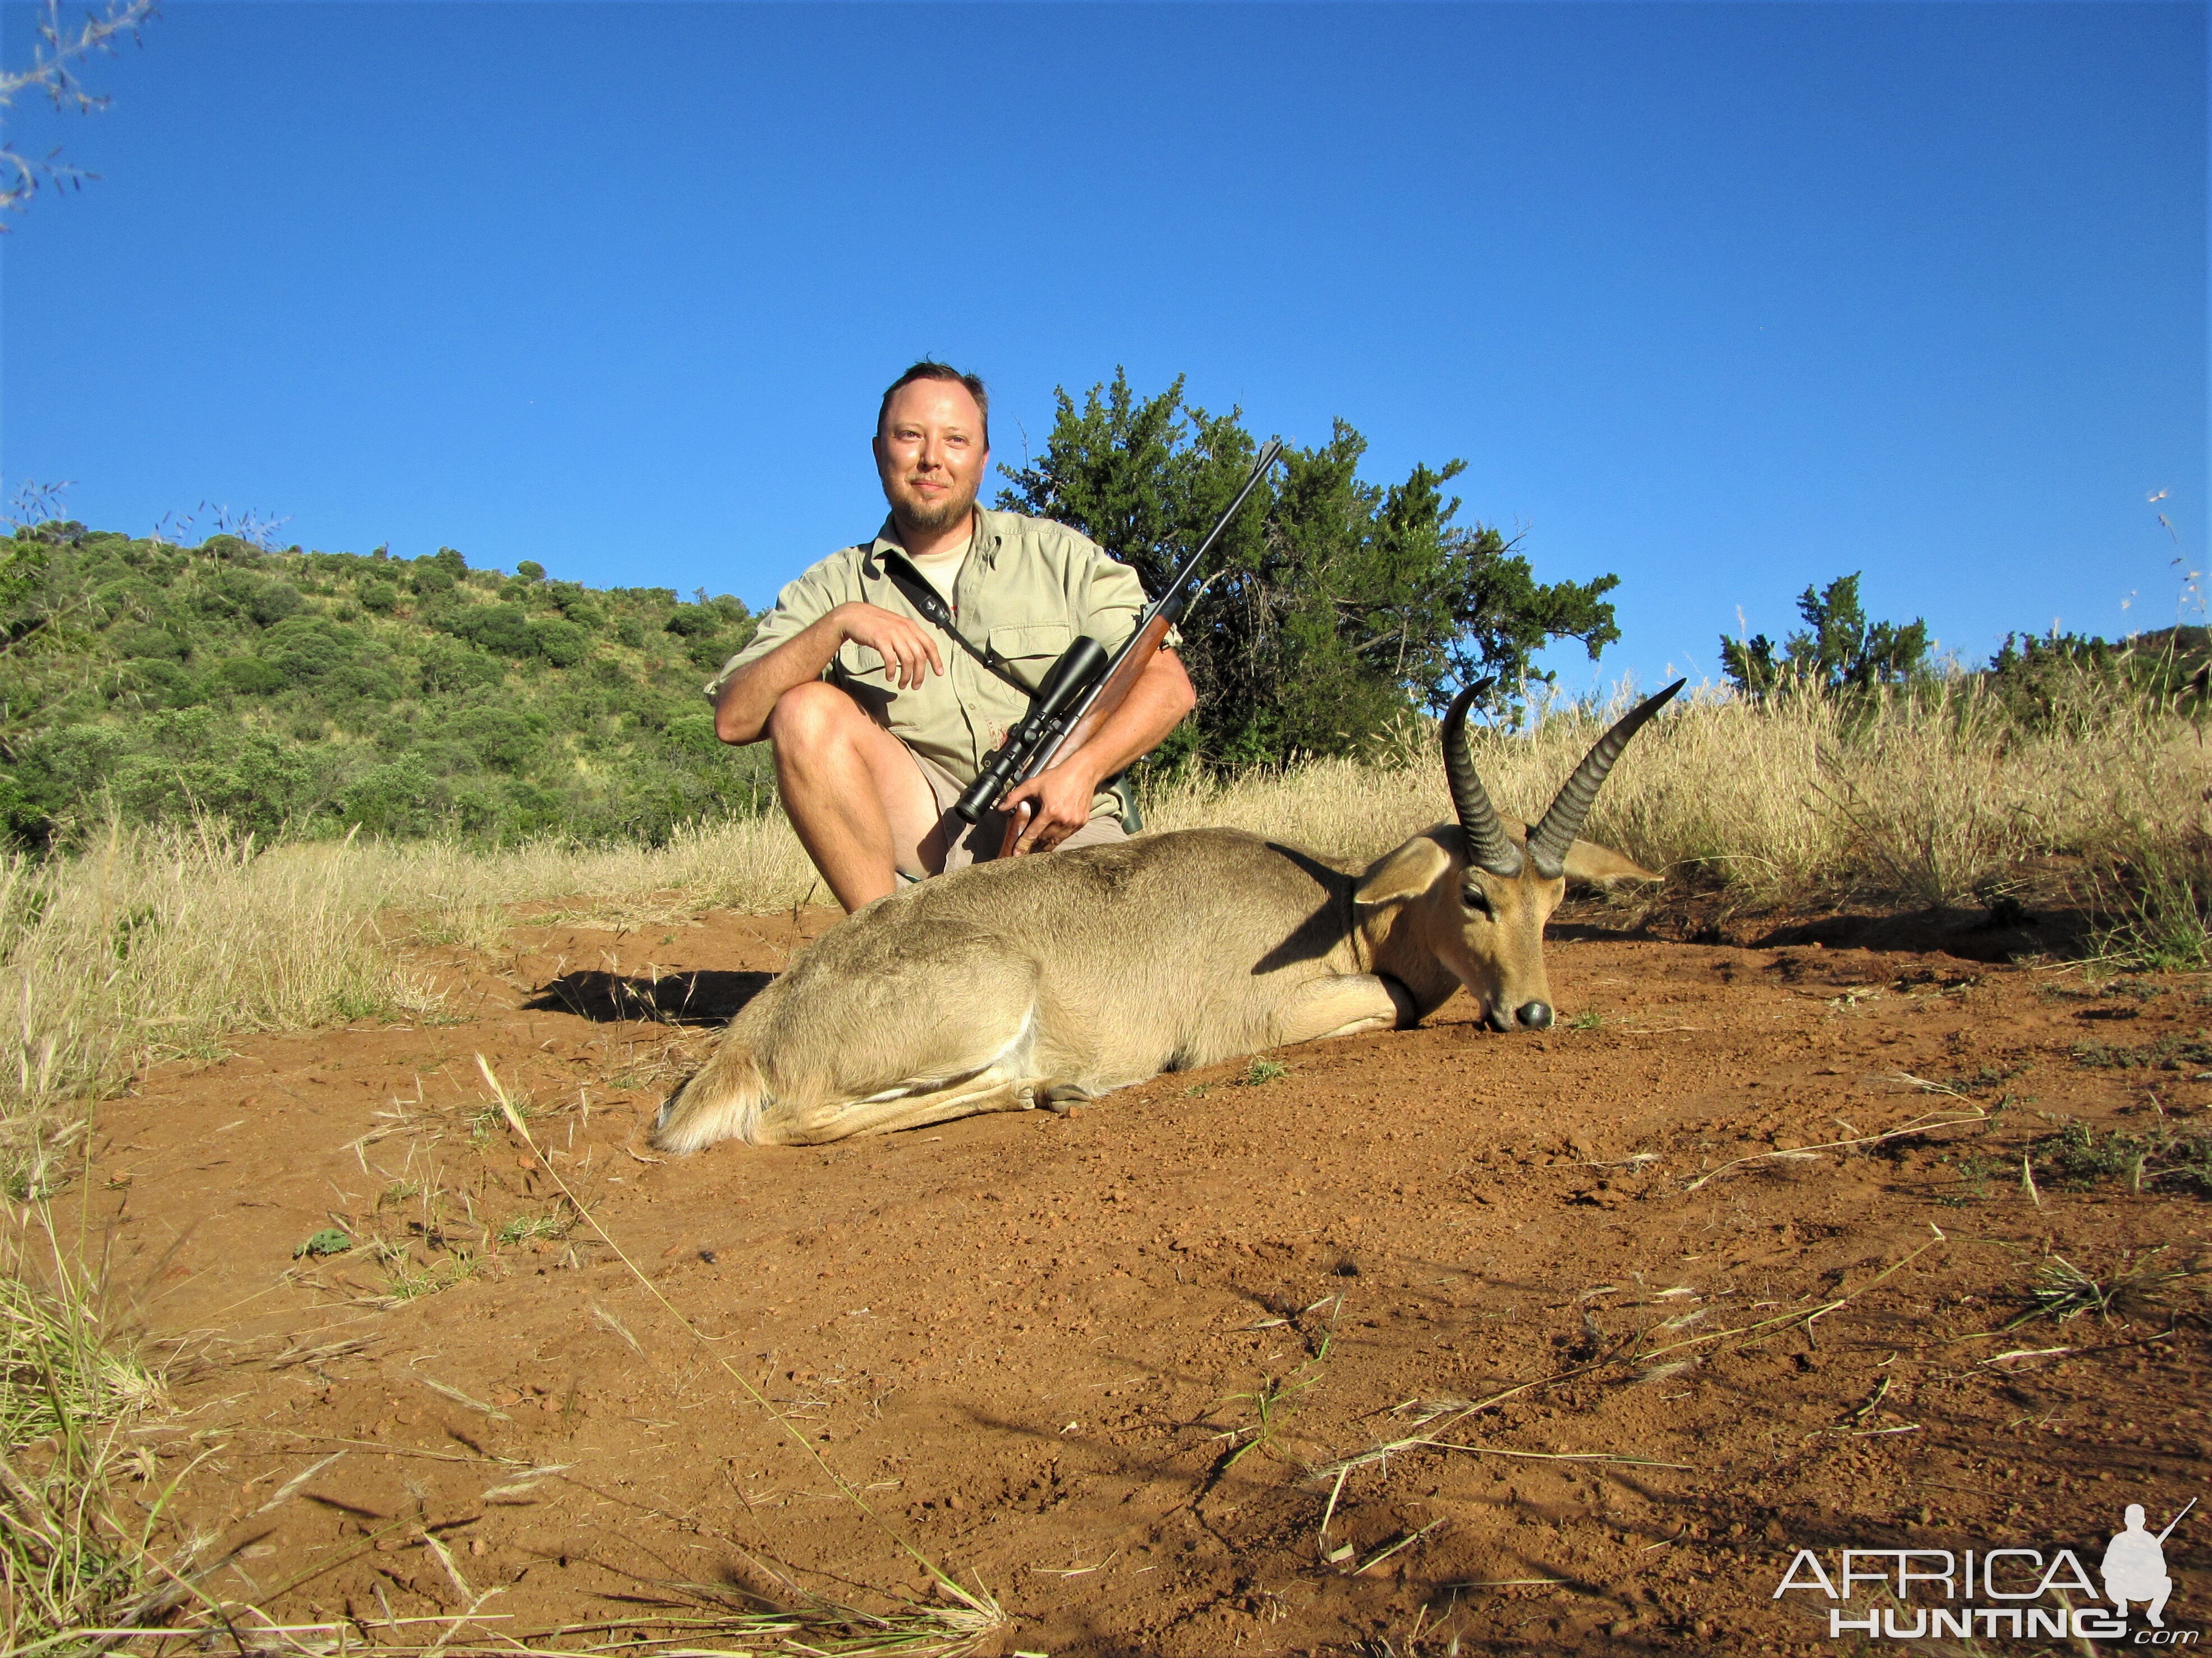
(901, 643)
(1057, 802)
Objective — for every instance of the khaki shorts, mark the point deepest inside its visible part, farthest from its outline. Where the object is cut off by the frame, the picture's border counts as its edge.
(980, 843)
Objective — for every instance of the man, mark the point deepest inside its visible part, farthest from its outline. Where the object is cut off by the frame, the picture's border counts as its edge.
(879, 719)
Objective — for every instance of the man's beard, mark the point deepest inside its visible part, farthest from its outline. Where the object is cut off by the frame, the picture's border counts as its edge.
(912, 511)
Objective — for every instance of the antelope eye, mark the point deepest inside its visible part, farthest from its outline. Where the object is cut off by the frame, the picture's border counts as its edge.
(1475, 898)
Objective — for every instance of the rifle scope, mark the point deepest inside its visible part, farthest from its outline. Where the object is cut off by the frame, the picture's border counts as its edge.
(1077, 670)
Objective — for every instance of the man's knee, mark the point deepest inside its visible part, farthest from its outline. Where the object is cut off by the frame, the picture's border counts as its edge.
(810, 714)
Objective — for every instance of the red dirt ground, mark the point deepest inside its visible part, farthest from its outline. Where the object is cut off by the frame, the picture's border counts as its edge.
(1036, 1344)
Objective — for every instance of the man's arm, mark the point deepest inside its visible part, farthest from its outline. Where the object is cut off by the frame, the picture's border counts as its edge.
(1060, 796)
(749, 696)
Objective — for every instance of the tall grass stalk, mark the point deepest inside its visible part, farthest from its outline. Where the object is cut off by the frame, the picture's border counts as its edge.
(75, 1553)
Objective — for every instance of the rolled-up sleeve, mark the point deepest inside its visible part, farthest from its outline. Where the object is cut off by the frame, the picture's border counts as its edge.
(802, 602)
(1108, 598)
(1105, 596)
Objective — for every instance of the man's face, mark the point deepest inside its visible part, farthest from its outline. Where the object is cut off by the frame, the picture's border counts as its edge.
(930, 454)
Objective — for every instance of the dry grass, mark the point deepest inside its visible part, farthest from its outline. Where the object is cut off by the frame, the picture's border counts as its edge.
(457, 894)
(1932, 800)
(155, 943)
(74, 1551)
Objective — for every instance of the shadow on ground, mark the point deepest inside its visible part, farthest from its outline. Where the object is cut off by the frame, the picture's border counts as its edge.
(707, 997)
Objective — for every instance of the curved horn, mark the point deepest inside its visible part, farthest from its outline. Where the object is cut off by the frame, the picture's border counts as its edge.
(1486, 842)
(1549, 841)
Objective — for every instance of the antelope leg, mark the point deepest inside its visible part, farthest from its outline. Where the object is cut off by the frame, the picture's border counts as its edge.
(837, 1119)
(1343, 1007)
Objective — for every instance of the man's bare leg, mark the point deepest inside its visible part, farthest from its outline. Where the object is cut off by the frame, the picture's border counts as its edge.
(859, 802)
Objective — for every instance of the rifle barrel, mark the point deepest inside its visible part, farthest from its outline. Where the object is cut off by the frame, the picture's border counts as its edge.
(1267, 454)
(2177, 1519)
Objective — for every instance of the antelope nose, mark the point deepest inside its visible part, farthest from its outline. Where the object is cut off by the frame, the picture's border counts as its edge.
(1536, 1016)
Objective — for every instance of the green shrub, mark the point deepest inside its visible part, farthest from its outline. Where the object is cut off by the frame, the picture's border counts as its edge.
(501, 739)
(248, 676)
(693, 733)
(562, 643)
(399, 799)
(502, 629)
(691, 620)
(445, 666)
(145, 642)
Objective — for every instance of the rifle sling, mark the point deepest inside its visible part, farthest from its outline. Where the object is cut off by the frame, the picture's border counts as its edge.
(917, 591)
(930, 603)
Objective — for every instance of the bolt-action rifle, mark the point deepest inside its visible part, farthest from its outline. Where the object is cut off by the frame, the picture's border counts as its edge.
(1085, 685)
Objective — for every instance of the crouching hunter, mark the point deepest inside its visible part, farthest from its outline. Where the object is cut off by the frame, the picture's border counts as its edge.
(879, 718)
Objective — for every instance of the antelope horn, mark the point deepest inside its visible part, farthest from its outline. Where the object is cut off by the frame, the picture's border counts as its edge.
(1549, 841)
(1486, 842)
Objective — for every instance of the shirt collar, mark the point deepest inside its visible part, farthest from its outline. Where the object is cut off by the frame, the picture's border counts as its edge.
(985, 539)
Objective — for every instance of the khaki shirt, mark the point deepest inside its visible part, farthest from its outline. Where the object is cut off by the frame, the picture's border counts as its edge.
(1027, 588)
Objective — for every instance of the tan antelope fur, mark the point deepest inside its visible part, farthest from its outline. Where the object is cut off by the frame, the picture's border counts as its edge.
(1045, 980)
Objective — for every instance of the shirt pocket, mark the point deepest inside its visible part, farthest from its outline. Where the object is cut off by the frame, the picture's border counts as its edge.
(1030, 650)
(859, 661)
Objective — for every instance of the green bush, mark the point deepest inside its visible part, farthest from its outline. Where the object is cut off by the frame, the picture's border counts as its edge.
(502, 629)
(399, 799)
(690, 620)
(500, 739)
(562, 643)
(693, 733)
(249, 676)
(1839, 651)
(146, 641)
(444, 666)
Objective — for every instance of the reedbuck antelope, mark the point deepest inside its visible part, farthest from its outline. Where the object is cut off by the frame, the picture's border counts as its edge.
(1045, 979)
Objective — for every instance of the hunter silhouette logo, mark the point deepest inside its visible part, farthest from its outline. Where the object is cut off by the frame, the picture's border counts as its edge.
(2134, 1565)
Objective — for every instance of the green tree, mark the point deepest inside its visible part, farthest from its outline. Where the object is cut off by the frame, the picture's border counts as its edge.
(1838, 653)
(1334, 604)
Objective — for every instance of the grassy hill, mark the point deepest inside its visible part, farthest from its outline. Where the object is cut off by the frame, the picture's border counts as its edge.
(312, 693)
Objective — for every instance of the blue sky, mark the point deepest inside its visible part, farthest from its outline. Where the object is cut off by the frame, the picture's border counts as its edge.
(1726, 299)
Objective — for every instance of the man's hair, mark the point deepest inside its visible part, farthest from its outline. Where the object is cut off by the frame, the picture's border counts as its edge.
(927, 370)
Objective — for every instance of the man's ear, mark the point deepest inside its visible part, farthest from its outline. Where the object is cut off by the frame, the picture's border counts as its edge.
(1413, 869)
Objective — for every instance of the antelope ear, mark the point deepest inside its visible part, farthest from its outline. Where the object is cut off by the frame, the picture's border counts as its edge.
(1410, 870)
(1588, 861)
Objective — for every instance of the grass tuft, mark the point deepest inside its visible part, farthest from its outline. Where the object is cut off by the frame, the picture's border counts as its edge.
(72, 1556)
(2080, 1158)
(2139, 1286)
